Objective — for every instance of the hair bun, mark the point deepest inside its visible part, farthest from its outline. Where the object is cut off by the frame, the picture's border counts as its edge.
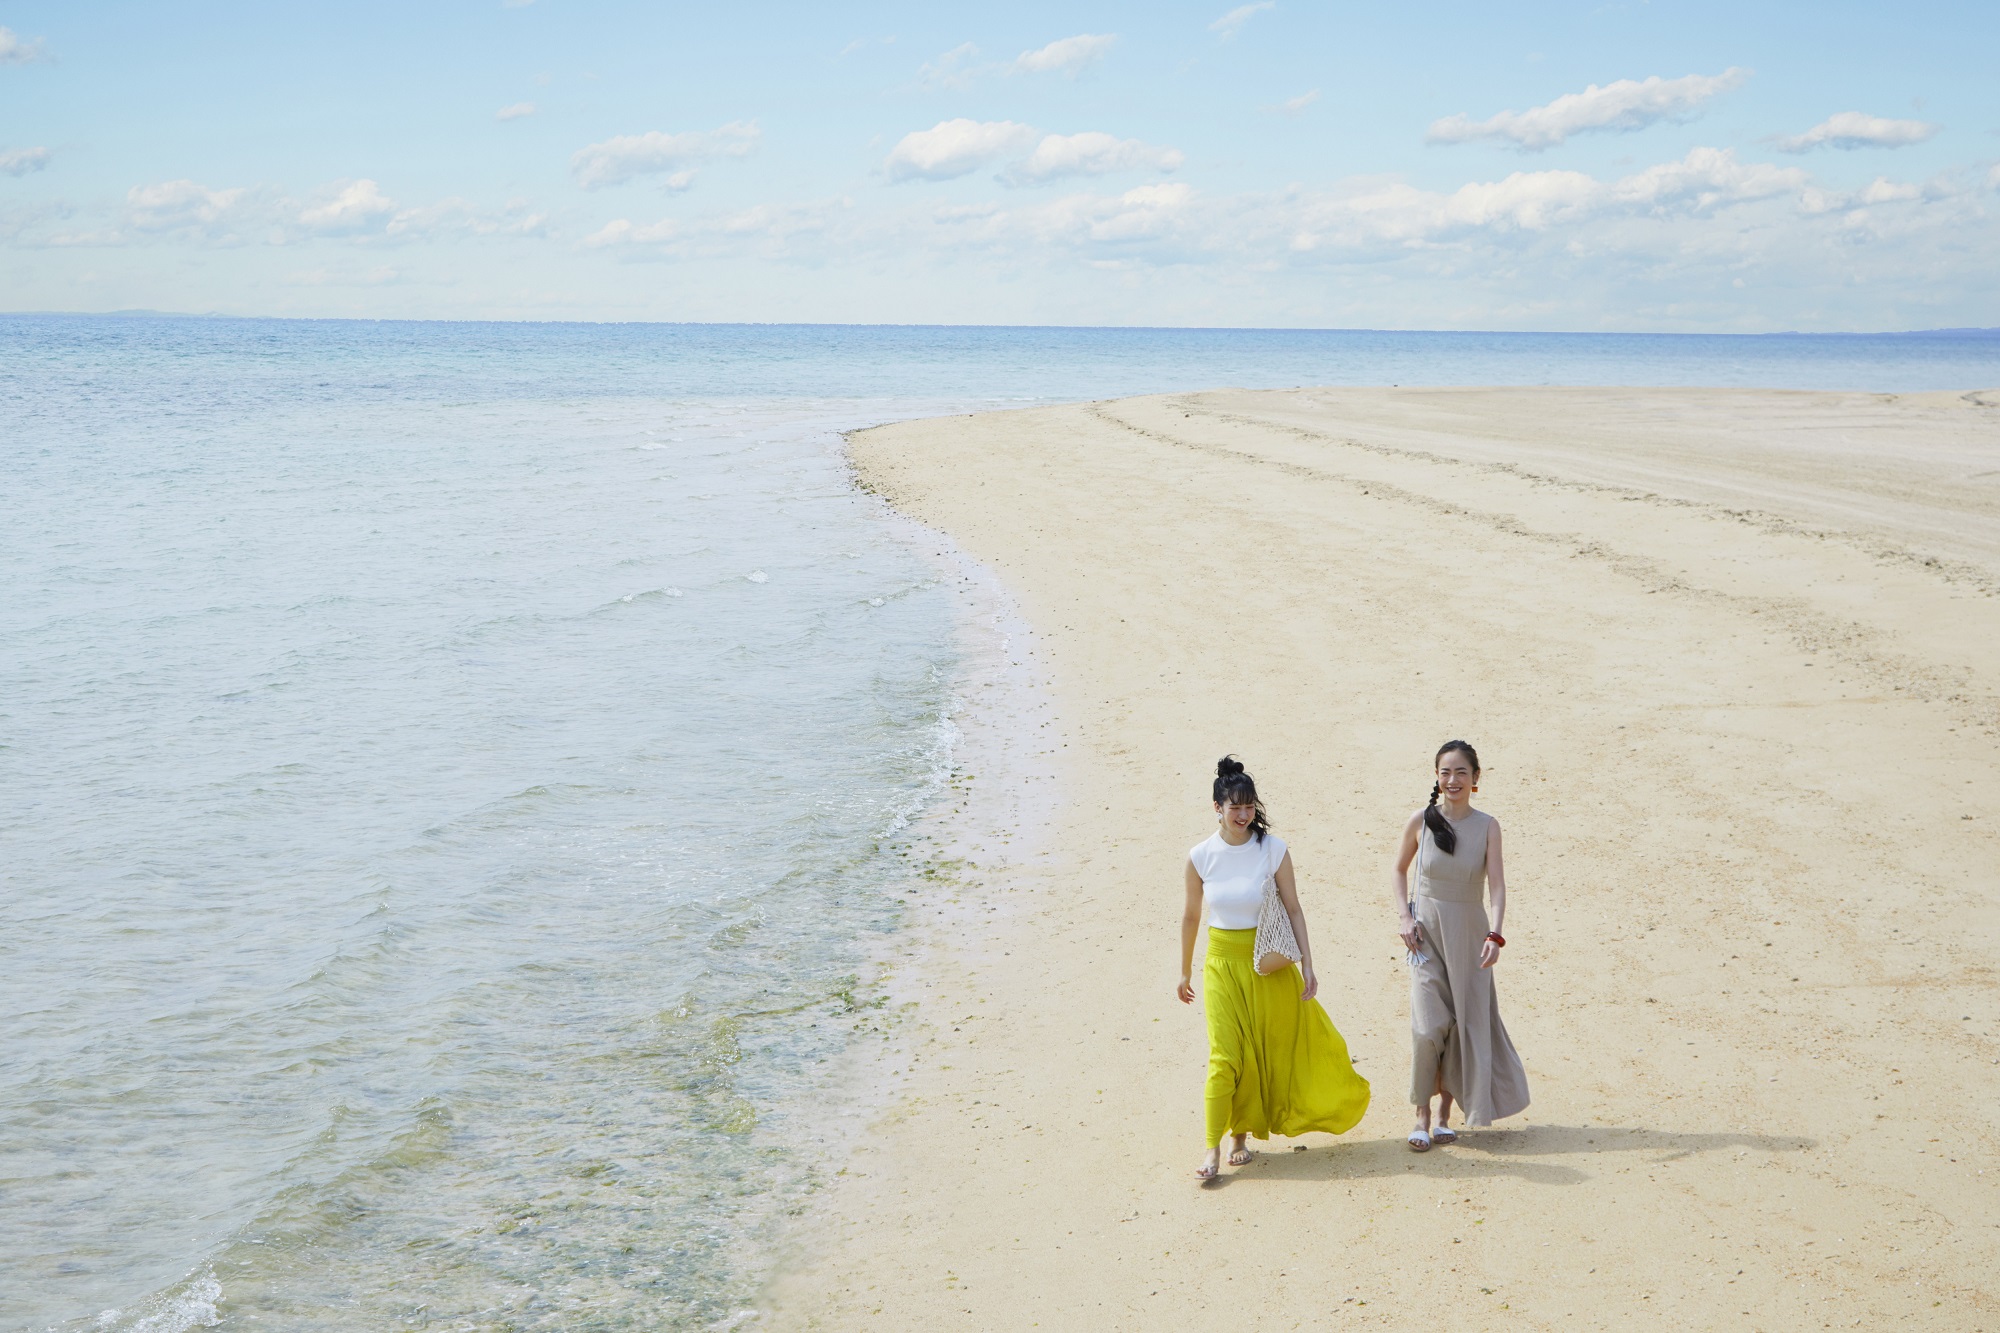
(1228, 766)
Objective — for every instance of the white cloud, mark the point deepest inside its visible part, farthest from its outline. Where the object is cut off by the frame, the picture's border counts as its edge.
(954, 148)
(1091, 153)
(1380, 219)
(772, 229)
(444, 217)
(953, 69)
(185, 206)
(1159, 216)
(1292, 106)
(353, 211)
(967, 212)
(346, 207)
(623, 231)
(37, 225)
(461, 217)
(1401, 214)
(1232, 23)
(77, 240)
(1622, 106)
(1524, 201)
(21, 161)
(1149, 213)
(1707, 178)
(1657, 245)
(515, 112)
(1882, 190)
(14, 51)
(1145, 211)
(617, 160)
(1068, 56)
(1852, 129)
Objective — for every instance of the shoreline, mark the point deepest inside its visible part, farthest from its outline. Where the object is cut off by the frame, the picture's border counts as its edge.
(1794, 703)
(971, 853)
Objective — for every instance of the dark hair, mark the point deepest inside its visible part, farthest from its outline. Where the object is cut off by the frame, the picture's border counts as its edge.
(1235, 787)
(1442, 833)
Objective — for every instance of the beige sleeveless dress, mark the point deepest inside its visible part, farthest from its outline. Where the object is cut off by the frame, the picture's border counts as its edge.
(1455, 1022)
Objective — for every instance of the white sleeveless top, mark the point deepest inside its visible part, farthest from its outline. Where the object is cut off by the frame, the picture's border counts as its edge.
(1232, 878)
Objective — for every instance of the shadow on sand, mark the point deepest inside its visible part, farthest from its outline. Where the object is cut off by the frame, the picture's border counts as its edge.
(1532, 1152)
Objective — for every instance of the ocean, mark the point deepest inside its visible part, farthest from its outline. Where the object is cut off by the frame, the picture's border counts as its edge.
(451, 778)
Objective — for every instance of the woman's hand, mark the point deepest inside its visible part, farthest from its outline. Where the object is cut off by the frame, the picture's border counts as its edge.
(1312, 985)
(1186, 990)
(1413, 935)
(1489, 953)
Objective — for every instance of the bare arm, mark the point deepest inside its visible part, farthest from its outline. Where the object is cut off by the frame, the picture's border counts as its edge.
(1399, 883)
(1190, 927)
(1496, 892)
(1288, 894)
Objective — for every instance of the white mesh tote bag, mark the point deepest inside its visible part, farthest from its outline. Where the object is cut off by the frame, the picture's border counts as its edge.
(1274, 930)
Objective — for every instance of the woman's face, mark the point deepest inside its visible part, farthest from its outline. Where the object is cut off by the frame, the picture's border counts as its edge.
(1456, 775)
(1236, 816)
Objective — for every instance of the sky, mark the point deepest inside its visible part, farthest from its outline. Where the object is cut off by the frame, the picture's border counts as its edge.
(1633, 165)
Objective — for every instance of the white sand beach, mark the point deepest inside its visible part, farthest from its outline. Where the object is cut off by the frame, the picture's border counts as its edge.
(1730, 659)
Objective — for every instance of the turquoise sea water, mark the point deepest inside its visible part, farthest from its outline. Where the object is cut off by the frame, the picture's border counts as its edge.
(447, 773)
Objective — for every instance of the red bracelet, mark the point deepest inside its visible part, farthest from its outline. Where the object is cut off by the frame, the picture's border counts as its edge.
(1494, 935)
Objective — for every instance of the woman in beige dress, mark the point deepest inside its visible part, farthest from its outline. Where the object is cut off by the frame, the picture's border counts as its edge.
(1460, 1050)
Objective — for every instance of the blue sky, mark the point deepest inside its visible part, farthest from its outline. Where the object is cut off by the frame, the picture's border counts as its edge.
(1548, 166)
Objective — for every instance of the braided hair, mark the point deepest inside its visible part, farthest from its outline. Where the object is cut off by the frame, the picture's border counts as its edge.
(1235, 787)
(1442, 832)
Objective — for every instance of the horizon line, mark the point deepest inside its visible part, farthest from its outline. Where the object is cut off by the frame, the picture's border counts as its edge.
(141, 313)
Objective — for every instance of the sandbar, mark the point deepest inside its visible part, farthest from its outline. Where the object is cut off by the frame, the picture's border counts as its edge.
(1732, 659)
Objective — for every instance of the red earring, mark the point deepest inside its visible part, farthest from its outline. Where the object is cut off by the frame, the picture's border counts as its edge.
(1475, 786)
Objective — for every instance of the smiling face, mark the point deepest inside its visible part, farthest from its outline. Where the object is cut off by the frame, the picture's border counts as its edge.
(1236, 816)
(1455, 775)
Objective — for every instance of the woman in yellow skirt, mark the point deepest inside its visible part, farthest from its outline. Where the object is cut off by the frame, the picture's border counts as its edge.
(1276, 1064)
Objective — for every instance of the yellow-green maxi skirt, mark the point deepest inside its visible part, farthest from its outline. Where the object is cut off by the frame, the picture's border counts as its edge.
(1276, 1063)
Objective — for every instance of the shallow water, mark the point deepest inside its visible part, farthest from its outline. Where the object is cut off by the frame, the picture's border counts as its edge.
(411, 816)
(447, 773)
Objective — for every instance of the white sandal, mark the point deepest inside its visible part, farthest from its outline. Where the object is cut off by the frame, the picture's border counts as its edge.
(1443, 1135)
(1420, 1140)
